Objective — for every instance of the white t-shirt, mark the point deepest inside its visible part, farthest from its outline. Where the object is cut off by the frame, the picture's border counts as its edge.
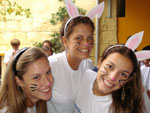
(86, 101)
(66, 82)
(29, 110)
(8, 55)
(145, 71)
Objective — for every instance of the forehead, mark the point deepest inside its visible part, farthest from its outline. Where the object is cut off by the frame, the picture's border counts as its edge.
(82, 29)
(40, 66)
(120, 61)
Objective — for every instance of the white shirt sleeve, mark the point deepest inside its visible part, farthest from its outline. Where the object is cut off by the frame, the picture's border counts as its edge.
(7, 56)
(145, 72)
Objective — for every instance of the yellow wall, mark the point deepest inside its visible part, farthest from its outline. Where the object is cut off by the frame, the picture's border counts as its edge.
(137, 19)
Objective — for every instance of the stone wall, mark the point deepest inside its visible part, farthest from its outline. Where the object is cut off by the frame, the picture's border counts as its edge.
(27, 31)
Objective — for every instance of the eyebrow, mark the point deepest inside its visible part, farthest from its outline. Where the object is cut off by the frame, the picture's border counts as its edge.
(116, 66)
(49, 69)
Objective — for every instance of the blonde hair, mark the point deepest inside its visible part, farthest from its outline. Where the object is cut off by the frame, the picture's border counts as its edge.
(13, 96)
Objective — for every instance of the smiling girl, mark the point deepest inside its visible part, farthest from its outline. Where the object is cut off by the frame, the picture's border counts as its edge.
(27, 84)
(116, 88)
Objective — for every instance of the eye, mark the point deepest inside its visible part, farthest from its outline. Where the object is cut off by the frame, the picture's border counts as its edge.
(78, 38)
(90, 38)
(109, 66)
(36, 77)
(48, 72)
(124, 75)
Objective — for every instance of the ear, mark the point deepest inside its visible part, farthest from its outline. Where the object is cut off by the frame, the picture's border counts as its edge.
(142, 55)
(98, 10)
(18, 81)
(64, 40)
(134, 41)
(71, 8)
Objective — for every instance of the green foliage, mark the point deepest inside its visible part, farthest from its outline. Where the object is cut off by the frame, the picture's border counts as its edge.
(37, 44)
(61, 14)
(56, 43)
(9, 11)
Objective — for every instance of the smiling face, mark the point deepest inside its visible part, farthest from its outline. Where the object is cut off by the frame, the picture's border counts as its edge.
(80, 42)
(113, 73)
(37, 81)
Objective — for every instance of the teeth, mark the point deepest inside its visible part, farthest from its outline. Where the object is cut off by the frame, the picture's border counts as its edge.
(84, 50)
(45, 90)
(108, 84)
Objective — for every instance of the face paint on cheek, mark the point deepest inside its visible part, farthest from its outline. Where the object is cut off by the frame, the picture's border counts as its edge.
(77, 44)
(34, 87)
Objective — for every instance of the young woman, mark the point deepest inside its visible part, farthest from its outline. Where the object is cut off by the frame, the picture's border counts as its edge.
(117, 87)
(47, 47)
(27, 84)
(67, 67)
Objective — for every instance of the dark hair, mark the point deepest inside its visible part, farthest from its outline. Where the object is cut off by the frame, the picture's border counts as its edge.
(47, 41)
(133, 102)
(73, 22)
(146, 47)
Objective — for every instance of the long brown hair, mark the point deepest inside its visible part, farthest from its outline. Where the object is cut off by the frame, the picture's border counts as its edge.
(12, 96)
(133, 102)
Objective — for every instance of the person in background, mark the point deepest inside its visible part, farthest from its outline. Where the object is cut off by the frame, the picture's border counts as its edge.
(146, 62)
(27, 83)
(116, 88)
(15, 43)
(145, 71)
(47, 47)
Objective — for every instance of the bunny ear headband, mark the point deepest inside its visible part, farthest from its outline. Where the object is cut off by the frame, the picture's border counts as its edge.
(73, 11)
(133, 42)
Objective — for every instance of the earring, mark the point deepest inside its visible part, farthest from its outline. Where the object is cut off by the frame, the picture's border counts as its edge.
(123, 94)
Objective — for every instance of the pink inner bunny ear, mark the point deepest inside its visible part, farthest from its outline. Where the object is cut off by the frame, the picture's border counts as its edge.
(142, 55)
(98, 10)
(71, 8)
(134, 41)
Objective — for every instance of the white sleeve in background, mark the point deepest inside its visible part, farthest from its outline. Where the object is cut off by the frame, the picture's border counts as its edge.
(145, 72)
(7, 56)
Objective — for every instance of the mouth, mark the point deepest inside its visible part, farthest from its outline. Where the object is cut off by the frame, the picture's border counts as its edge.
(84, 50)
(45, 90)
(108, 84)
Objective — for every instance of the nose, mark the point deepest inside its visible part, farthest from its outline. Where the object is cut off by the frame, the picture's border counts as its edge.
(113, 75)
(47, 81)
(85, 42)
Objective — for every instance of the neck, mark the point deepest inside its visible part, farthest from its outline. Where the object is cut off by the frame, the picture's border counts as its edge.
(73, 62)
(96, 90)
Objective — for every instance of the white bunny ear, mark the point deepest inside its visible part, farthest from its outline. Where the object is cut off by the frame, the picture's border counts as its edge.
(142, 55)
(134, 41)
(98, 10)
(71, 8)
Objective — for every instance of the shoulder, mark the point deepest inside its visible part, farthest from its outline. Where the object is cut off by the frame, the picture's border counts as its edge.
(87, 63)
(55, 57)
(89, 75)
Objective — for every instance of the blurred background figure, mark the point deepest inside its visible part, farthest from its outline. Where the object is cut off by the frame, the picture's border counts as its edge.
(15, 43)
(47, 47)
(147, 61)
(145, 71)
